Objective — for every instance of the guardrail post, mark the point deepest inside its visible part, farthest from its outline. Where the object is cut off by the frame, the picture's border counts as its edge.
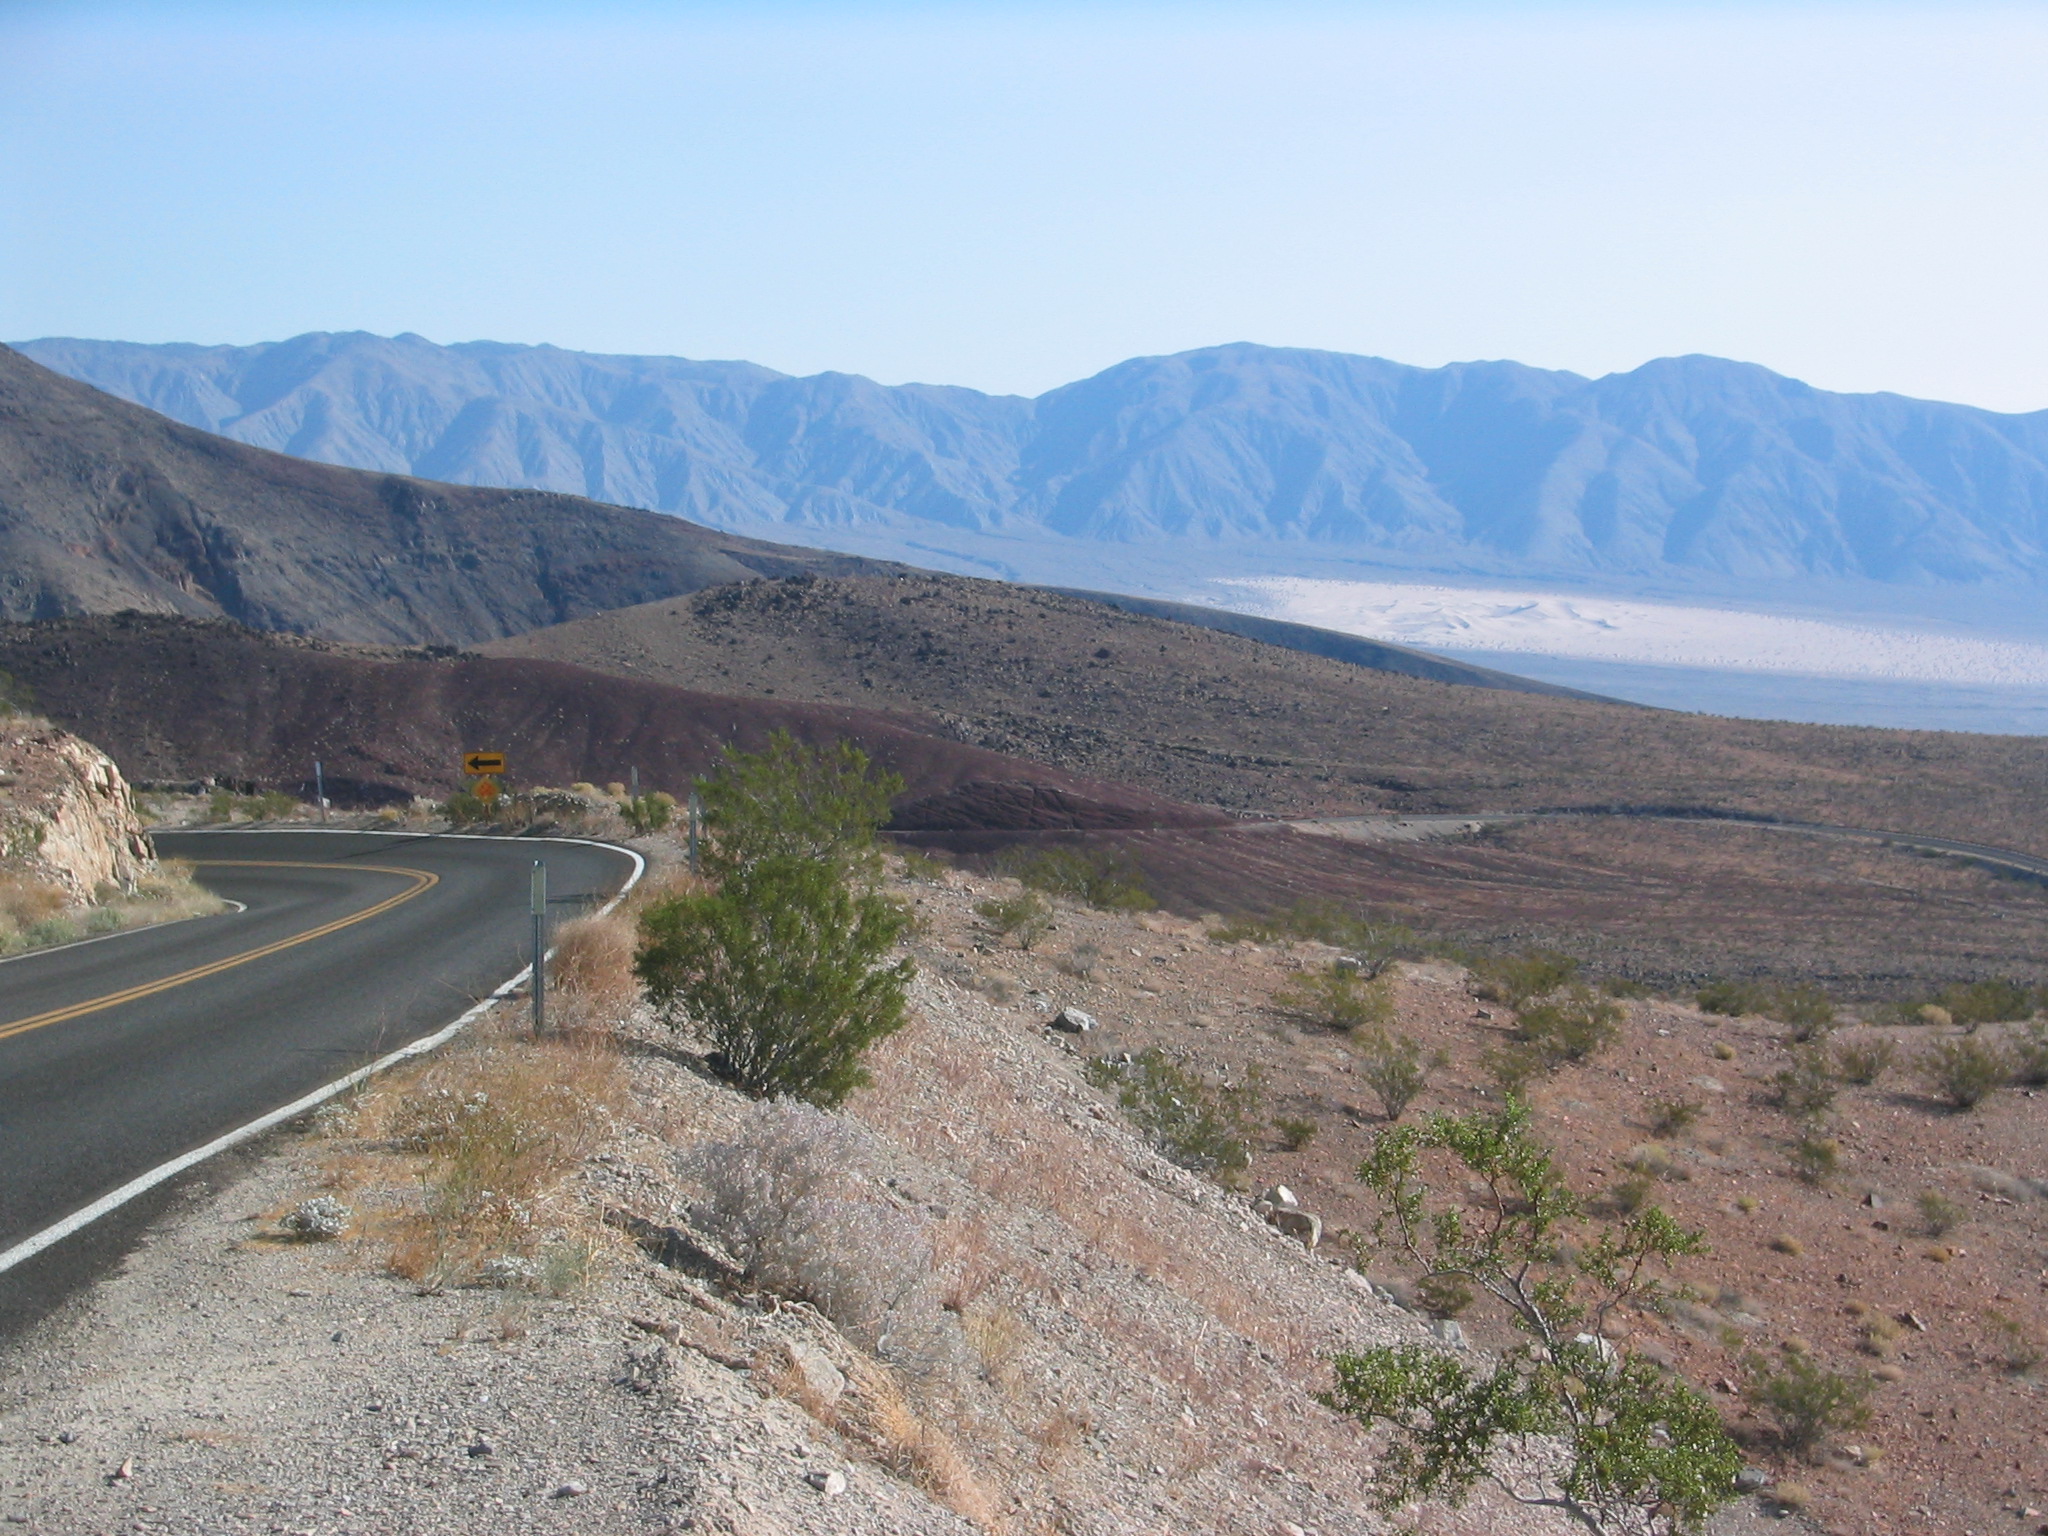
(539, 906)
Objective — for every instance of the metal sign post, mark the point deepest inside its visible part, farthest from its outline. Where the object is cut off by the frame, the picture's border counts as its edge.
(539, 906)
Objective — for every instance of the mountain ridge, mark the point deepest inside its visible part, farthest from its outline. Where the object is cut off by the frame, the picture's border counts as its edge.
(1686, 468)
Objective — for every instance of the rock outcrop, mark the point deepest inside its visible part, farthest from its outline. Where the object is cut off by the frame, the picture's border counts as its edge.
(67, 817)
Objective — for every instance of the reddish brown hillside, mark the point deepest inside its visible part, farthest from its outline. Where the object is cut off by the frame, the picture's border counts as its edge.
(178, 700)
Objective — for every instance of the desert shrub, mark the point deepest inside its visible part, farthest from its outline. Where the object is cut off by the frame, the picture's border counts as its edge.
(1444, 1295)
(2020, 1346)
(1636, 1449)
(463, 809)
(790, 801)
(922, 868)
(785, 968)
(1940, 1215)
(1806, 1008)
(1571, 1028)
(1325, 922)
(1804, 1088)
(1623, 987)
(1336, 997)
(1024, 917)
(1295, 1131)
(1520, 979)
(1512, 1067)
(1203, 1126)
(1992, 1001)
(590, 977)
(649, 812)
(1397, 1069)
(1081, 961)
(1863, 1062)
(1816, 1159)
(2028, 1055)
(1965, 1071)
(1098, 877)
(783, 1195)
(1806, 1401)
(1673, 1117)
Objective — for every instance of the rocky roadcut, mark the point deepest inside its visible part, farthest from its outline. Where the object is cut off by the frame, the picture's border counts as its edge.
(1100, 1340)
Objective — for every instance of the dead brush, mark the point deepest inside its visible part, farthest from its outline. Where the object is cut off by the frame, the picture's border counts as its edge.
(495, 1128)
(591, 978)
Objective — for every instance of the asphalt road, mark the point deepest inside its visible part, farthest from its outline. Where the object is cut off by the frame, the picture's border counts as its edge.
(119, 1055)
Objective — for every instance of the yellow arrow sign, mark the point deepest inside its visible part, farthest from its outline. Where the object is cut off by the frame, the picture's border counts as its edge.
(483, 762)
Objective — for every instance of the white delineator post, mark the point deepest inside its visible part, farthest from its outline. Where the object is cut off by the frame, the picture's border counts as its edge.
(538, 905)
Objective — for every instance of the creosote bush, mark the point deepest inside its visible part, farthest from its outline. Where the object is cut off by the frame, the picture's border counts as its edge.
(1940, 1215)
(1570, 1028)
(1806, 1008)
(1098, 877)
(1372, 943)
(1521, 979)
(784, 966)
(1203, 1126)
(1805, 1400)
(1638, 1450)
(1397, 1069)
(1965, 1071)
(1295, 1131)
(1336, 997)
(1805, 1087)
(1672, 1117)
(1025, 917)
(1863, 1062)
(1992, 1001)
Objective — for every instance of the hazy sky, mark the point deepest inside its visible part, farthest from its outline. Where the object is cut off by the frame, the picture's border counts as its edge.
(1015, 195)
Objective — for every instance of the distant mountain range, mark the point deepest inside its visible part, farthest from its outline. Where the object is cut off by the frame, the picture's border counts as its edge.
(1685, 469)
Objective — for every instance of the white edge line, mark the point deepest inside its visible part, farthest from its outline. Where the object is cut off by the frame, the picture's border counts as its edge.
(113, 1200)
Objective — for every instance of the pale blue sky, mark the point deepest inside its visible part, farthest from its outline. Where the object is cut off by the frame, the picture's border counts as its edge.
(1015, 195)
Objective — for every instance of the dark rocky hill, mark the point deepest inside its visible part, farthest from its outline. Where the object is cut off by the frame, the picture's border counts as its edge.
(106, 506)
(177, 700)
(1686, 469)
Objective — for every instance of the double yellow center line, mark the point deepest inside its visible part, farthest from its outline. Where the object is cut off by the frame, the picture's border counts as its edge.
(422, 880)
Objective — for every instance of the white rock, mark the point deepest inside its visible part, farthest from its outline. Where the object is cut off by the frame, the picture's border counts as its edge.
(1074, 1021)
(831, 1484)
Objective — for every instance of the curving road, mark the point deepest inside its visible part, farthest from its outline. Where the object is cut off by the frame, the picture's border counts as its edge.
(125, 1053)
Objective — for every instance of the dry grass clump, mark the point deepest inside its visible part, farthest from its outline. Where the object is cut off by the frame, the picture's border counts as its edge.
(495, 1128)
(591, 980)
(34, 915)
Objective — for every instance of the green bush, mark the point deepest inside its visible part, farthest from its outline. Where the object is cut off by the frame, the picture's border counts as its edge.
(789, 800)
(785, 969)
(1397, 1069)
(1816, 1159)
(1295, 1131)
(1806, 1401)
(1671, 1117)
(1806, 1008)
(1940, 1215)
(1571, 1028)
(785, 965)
(1966, 1071)
(1864, 1062)
(1024, 917)
(1336, 997)
(1203, 1126)
(649, 812)
(1636, 1449)
(1994, 1001)
(1109, 881)
(2028, 1054)
(1804, 1088)
(1520, 979)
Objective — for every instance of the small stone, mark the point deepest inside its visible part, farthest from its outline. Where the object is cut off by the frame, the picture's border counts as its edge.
(480, 1447)
(571, 1490)
(1074, 1021)
(830, 1484)
(1451, 1332)
(1749, 1479)
(125, 1471)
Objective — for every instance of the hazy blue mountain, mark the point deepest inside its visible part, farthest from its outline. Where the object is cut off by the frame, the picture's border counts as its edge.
(1685, 466)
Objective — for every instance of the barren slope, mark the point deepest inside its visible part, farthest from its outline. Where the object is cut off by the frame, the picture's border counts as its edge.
(1225, 721)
